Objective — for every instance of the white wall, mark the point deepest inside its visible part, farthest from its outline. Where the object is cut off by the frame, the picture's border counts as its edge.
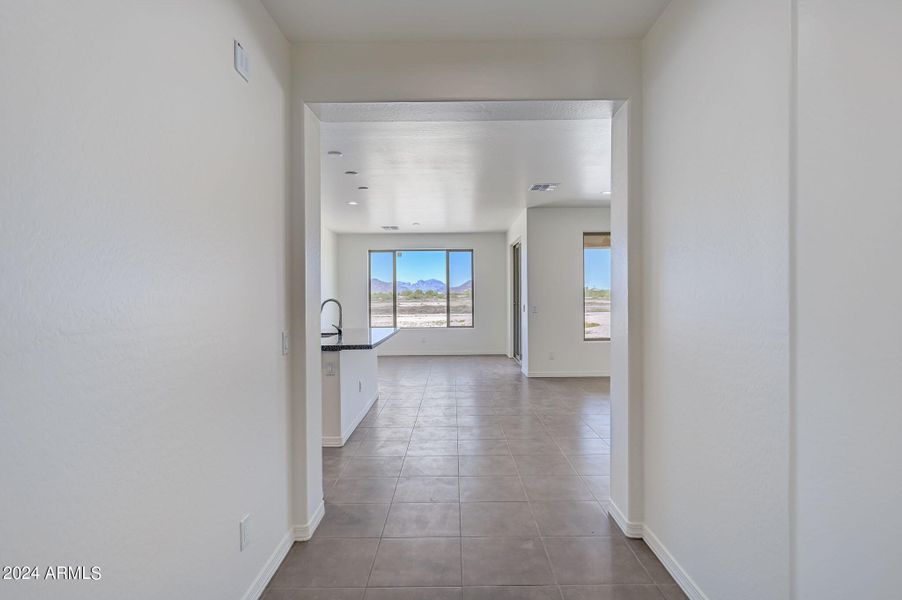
(715, 293)
(626, 501)
(847, 351)
(329, 278)
(555, 273)
(304, 265)
(444, 71)
(144, 393)
(489, 292)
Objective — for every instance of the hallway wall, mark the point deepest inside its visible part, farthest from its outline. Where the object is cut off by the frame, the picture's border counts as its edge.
(715, 282)
(846, 251)
(142, 252)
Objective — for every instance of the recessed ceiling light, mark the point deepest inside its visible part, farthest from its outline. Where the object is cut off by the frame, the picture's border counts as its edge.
(352, 203)
(543, 187)
(415, 224)
(335, 153)
(362, 187)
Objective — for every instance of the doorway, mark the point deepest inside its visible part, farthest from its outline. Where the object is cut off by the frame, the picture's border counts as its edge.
(515, 295)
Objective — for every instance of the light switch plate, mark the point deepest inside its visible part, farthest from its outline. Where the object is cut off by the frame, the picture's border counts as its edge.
(284, 343)
(242, 61)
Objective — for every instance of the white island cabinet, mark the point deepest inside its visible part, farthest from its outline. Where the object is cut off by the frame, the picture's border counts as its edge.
(350, 380)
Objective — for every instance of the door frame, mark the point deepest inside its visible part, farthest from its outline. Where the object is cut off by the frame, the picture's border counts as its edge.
(516, 301)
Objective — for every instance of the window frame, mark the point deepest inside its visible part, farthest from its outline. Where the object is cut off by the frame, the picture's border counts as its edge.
(583, 289)
(394, 285)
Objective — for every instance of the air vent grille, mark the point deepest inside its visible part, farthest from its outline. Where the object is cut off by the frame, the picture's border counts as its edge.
(390, 227)
(544, 187)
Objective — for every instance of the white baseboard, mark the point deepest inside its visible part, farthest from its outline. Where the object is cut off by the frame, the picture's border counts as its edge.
(302, 533)
(633, 529)
(630, 529)
(443, 353)
(568, 374)
(673, 567)
(269, 569)
(334, 441)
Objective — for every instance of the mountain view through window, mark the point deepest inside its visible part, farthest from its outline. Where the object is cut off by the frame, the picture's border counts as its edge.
(421, 288)
(597, 286)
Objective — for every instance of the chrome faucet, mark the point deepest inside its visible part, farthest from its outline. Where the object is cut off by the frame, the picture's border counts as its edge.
(323, 305)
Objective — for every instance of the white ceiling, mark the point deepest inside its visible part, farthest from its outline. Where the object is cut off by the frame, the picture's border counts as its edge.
(464, 20)
(465, 174)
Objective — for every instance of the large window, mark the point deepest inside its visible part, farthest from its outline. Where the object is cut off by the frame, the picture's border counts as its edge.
(421, 288)
(597, 286)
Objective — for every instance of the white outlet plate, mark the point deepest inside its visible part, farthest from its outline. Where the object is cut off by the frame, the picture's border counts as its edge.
(244, 529)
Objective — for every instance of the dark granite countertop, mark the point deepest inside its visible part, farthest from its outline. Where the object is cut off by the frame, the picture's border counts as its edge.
(357, 339)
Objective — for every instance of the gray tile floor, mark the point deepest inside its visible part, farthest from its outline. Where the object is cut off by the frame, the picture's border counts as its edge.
(469, 481)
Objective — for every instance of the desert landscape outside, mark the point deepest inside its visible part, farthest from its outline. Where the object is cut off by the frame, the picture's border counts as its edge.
(420, 279)
(596, 286)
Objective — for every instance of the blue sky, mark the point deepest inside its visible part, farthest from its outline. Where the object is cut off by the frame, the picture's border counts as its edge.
(380, 266)
(414, 266)
(598, 268)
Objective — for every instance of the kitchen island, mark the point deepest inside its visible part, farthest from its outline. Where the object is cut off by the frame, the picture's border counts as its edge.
(350, 379)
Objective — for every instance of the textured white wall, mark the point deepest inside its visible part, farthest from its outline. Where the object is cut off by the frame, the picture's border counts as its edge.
(715, 292)
(442, 71)
(556, 318)
(488, 334)
(142, 213)
(847, 351)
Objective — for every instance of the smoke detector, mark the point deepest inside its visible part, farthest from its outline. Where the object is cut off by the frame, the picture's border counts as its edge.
(390, 227)
(544, 187)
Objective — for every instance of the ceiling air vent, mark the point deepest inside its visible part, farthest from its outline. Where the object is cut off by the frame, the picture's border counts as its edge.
(544, 187)
(390, 227)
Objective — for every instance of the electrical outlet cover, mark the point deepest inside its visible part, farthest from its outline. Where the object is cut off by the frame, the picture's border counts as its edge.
(244, 529)
(242, 61)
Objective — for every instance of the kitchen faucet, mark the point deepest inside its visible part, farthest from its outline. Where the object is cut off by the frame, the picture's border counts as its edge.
(323, 305)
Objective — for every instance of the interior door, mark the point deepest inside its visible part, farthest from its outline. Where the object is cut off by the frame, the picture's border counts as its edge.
(515, 294)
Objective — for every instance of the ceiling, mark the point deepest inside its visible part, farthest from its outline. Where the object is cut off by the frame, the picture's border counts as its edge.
(449, 168)
(462, 20)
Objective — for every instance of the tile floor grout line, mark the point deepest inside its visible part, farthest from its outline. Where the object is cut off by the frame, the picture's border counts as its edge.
(521, 404)
(538, 528)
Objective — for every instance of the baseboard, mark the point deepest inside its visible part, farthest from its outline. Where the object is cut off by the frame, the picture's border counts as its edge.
(673, 567)
(269, 569)
(630, 529)
(444, 353)
(334, 441)
(302, 533)
(568, 374)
